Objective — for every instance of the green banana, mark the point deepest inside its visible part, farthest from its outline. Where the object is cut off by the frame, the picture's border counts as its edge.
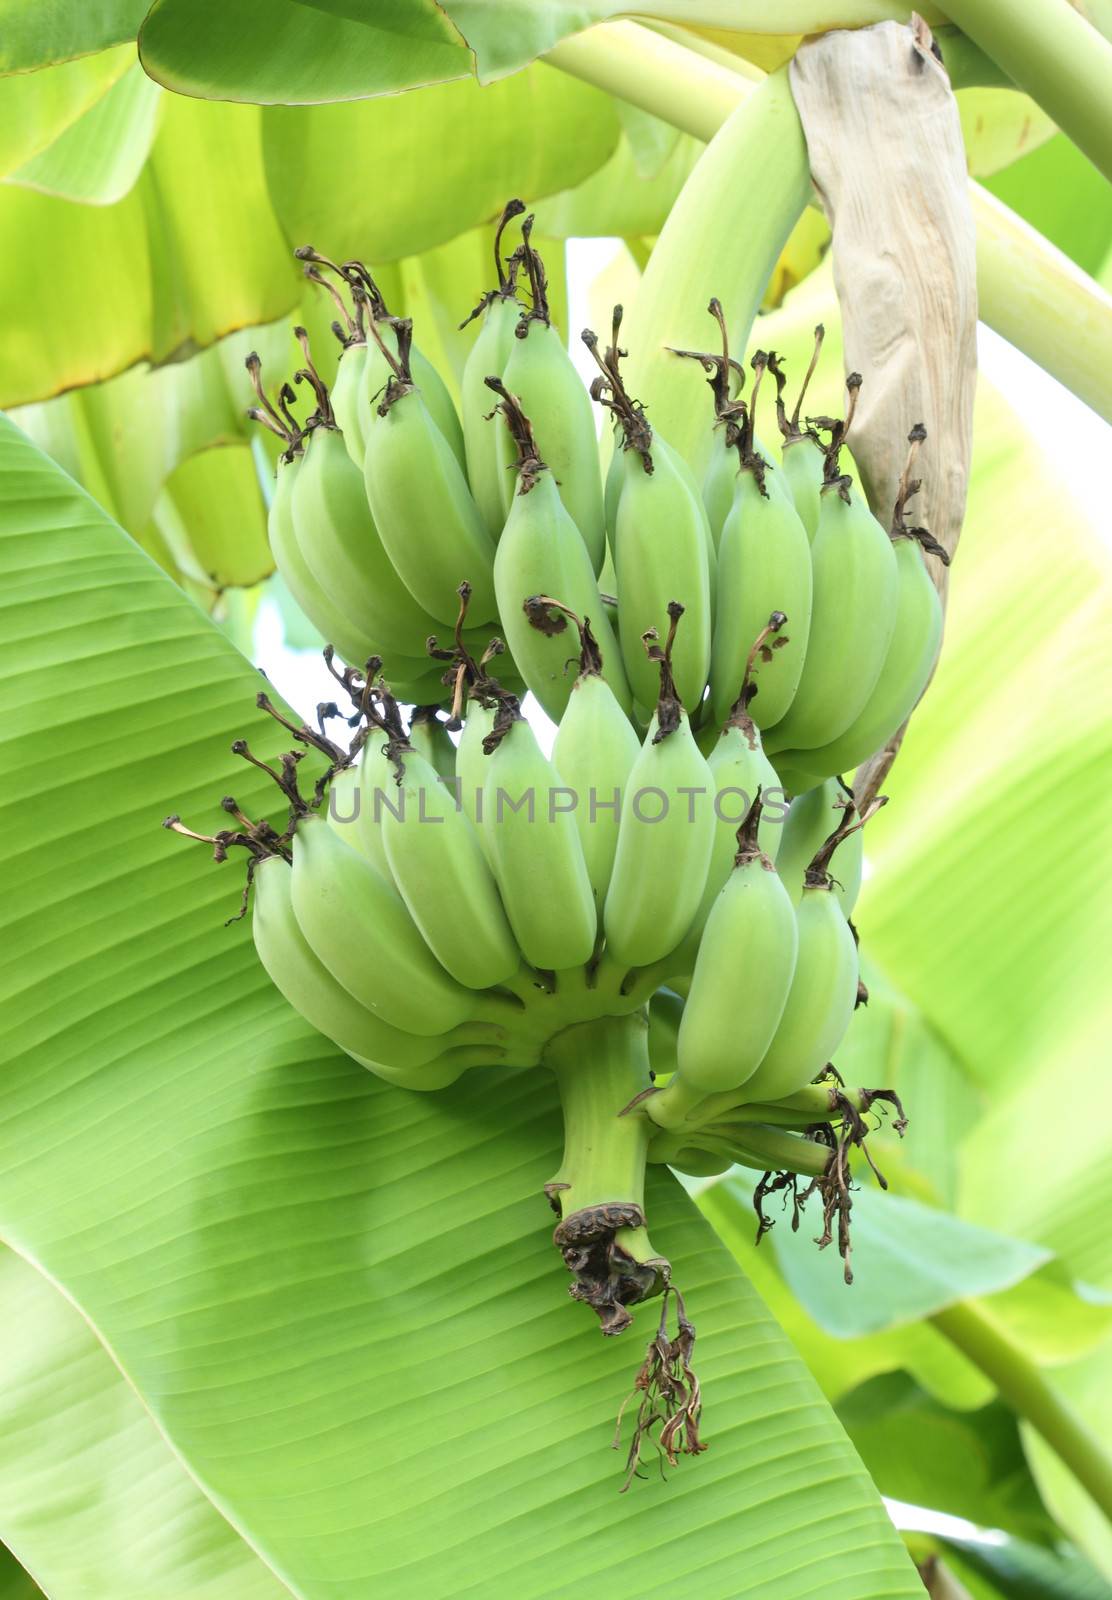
(430, 738)
(665, 834)
(311, 989)
(425, 514)
(852, 613)
(810, 821)
(741, 773)
(751, 937)
(472, 761)
(665, 1016)
(824, 988)
(594, 753)
(542, 376)
(439, 1073)
(764, 567)
(339, 541)
(442, 875)
(500, 310)
(533, 847)
(916, 639)
(352, 334)
(661, 538)
(540, 553)
(358, 925)
(725, 380)
(374, 784)
(345, 399)
(382, 351)
(801, 452)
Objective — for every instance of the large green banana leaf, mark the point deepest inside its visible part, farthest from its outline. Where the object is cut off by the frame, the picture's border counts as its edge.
(94, 1501)
(337, 1300)
(98, 158)
(37, 107)
(342, 49)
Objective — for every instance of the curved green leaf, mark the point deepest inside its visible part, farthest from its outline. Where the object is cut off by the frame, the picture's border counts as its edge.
(909, 1260)
(293, 52)
(37, 34)
(36, 107)
(432, 164)
(338, 1300)
(505, 34)
(999, 126)
(15, 1583)
(192, 252)
(965, 1464)
(213, 517)
(97, 159)
(617, 199)
(1024, 1571)
(91, 1497)
(1062, 195)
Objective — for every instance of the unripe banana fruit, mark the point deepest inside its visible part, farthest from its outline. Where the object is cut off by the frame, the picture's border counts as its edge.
(595, 752)
(419, 498)
(810, 821)
(662, 542)
(311, 989)
(541, 374)
(741, 773)
(540, 553)
(430, 738)
(500, 311)
(801, 452)
(916, 640)
(665, 834)
(750, 938)
(764, 566)
(337, 627)
(340, 543)
(358, 925)
(345, 398)
(852, 617)
(533, 847)
(824, 987)
(442, 875)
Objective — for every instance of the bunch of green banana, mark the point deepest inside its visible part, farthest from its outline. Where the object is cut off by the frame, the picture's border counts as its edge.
(539, 373)
(912, 653)
(666, 830)
(750, 938)
(661, 540)
(852, 612)
(540, 553)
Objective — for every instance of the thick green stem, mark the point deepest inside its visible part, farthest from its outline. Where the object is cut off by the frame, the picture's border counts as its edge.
(599, 1191)
(1053, 53)
(1042, 302)
(1024, 1388)
(662, 77)
(1029, 291)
